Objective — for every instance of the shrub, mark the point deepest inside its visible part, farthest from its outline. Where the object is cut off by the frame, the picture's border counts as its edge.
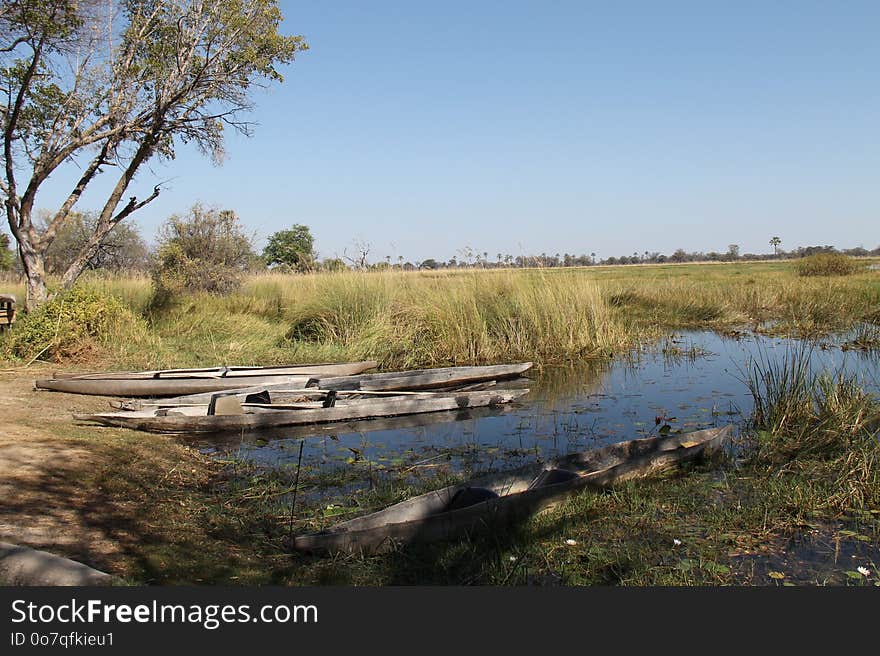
(72, 325)
(827, 264)
(204, 251)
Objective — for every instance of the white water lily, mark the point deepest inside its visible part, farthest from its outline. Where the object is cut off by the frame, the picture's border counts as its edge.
(571, 542)
(864, 571)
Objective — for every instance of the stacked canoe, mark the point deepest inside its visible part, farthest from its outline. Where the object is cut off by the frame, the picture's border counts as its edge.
(246, 398)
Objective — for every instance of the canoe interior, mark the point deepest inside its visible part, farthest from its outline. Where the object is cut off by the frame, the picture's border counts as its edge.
(280, 394)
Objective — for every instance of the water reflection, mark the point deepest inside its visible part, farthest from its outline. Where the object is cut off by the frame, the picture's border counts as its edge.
(693, 381)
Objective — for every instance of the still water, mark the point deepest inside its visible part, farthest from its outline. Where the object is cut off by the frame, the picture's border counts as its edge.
(691, 381)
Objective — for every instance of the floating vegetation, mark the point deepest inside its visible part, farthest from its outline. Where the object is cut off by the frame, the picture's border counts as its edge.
(675, 348)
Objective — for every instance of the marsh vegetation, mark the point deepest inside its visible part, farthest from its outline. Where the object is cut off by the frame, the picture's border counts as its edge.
(435, 318)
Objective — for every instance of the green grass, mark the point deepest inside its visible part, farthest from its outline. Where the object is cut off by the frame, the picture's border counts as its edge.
(819, 429)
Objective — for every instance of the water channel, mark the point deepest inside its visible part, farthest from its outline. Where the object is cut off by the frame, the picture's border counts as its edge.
(690, 381)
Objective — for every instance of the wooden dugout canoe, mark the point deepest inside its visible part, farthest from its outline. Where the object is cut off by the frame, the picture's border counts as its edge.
(425, 379)
(392, 381)
(174, 382)
(334, 429)
(158, 386)
(505, 498)
(194, 419)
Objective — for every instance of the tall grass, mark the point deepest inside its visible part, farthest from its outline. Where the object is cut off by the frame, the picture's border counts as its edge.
(817, 428)
(719, 298)
(407, 320)
(410, 319)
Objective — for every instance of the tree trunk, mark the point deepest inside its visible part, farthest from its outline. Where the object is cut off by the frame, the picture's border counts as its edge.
(34, 265)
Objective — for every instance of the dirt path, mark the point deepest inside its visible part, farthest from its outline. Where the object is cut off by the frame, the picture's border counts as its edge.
(47, 497)
(147, 508)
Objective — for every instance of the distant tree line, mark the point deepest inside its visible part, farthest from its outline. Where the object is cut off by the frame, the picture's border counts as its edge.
(544, 260)
(208, 249)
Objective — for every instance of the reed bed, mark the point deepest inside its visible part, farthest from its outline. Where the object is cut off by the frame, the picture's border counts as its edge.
(816, 433)
(801, 305)
(435, 318)
(407, 321)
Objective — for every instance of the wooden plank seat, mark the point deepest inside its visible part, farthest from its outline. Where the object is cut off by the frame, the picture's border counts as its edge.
(7, 310)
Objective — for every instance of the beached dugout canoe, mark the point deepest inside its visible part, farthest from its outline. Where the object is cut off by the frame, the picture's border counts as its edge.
(392, 381)
(159, 386)
(281, 394)
(505, 498)
(424, 379)
(232, 415)
(175, 382)
(404, 422)
(235, 371)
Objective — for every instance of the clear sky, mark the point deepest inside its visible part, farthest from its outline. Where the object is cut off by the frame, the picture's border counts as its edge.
(568, 126)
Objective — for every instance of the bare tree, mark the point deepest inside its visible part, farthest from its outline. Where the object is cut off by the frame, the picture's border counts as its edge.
(108, 85)
(361, 252)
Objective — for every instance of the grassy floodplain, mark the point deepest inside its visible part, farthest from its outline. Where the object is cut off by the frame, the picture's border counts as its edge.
(805, 490)
(437, 318)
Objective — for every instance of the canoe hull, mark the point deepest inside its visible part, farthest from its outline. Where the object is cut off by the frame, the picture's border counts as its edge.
(179, 382)
(271, 418)
(158, 386)
(421, 519)
(424, 379)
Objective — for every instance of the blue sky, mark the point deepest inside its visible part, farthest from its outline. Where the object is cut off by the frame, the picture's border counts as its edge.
(529, 127)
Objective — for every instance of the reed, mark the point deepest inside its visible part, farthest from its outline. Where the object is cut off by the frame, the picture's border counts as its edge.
(406, 320)
(817, 431)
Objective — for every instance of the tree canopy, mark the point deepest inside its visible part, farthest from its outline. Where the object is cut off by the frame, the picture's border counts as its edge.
(106, 86)
(122, 249)
(294, 248)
